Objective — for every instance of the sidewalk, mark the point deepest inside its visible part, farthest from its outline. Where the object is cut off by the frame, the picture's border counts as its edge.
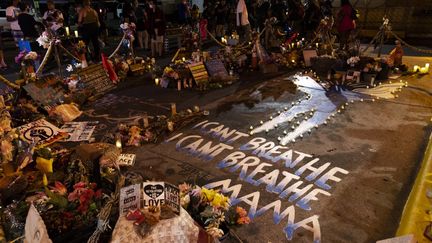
(416, 215)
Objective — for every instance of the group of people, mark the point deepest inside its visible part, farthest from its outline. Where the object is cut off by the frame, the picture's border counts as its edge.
(150, 24)
(222, 17)
(25, 27)
(226, 16)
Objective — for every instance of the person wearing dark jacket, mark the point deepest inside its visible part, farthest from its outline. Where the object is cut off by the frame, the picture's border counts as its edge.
(88, 20)
(27, 23)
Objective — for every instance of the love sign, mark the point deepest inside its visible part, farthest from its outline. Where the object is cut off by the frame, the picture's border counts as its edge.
(153, 193)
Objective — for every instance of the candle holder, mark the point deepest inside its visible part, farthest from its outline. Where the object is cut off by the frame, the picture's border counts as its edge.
(173, 109)
(118, 142)
(146, 121)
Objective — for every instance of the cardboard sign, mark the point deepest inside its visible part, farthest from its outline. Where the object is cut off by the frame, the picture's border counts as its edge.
(78, 131)
(129, 198)
(307, 55)
(161, 193)
(126, 160)
(41, 132)
(199, 72)
(216, 68)
(95, 78)
(46, 93)
(35, 229)
(7, 92)
(172, 197)
(153, 193)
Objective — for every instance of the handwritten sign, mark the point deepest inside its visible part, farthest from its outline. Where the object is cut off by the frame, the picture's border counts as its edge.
(78, 131)
(199, 72)
(126, 160)
(95, 78)
(153, 193)
(35, 229)
(47, 93)
(216, 68)
(41, 132)
(161, 193)
(172, 197)
(307, 55)
(129, 198)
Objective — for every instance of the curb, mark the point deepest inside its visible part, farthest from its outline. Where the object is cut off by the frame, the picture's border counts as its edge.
(415, 218)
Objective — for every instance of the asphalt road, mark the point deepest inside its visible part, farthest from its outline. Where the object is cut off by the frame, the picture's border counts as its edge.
(345, 181)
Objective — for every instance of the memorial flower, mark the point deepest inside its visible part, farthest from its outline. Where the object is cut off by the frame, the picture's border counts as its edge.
(353, 60)
(59, 188)
(214, 231)
(211, 209)
(44, 40)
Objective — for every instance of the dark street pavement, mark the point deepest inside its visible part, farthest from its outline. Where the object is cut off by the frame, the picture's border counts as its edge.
(345, 180)
(368, 154)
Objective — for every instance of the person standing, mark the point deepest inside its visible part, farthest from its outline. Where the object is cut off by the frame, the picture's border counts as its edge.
(27, 23)
(183, 12)
(88, 21)
(3, 65)
(54, 18)
(12, 13)
(243, 20)
(140, 25)
(221, 18)
(157, 29)
(346, 23)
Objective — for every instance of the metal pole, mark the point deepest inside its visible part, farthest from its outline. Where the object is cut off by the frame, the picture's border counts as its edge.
(57, 58)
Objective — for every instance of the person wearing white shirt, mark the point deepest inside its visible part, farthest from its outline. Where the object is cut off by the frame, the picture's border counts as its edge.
(12, 13)
(53, 17)
(243, 20)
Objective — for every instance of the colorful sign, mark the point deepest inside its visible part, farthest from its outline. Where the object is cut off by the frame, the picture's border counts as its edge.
(41, 132)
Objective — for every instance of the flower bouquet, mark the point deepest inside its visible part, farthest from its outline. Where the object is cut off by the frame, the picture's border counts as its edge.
(44, 40)
(66, 210)
(81, 50)
(352, 61)
(211, 210)
(29, 62)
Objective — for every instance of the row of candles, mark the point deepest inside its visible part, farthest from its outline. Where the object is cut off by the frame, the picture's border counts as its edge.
(424, 69)
(118, 142)
(68, 32)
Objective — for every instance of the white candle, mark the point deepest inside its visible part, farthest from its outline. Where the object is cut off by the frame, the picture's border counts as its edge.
(157, 81)
(67, 31)
(423, 70)
(76, 33)
(118, 143)
(173, 109)
(317, 45)
(146, 121)
(427, 67)
(183, 59)
(416, 68)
